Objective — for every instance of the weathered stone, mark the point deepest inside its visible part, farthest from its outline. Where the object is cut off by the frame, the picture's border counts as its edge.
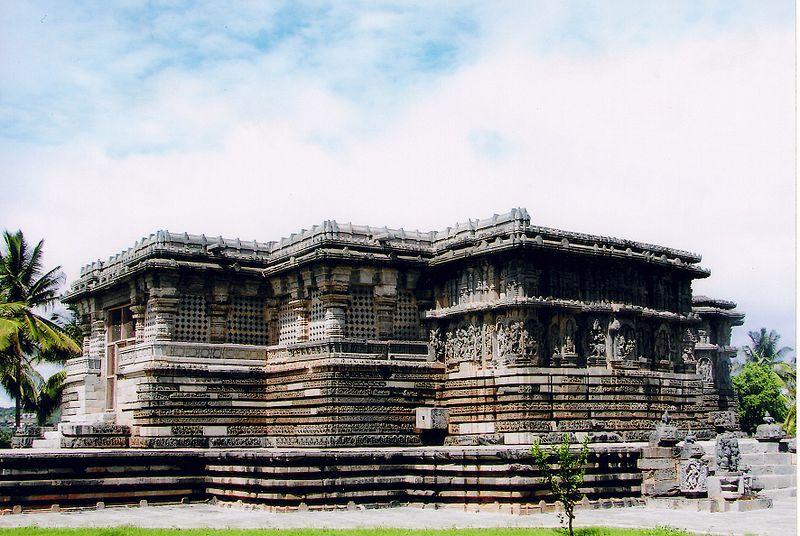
(502, 332)
(769, 430)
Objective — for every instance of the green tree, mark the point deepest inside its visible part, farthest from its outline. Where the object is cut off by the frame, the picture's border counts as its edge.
(566, 478)
(27, 336)
(46, 397)
(766, 350)
(758, 390)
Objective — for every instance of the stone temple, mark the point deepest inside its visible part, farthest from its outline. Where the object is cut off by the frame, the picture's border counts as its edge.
(491, 332)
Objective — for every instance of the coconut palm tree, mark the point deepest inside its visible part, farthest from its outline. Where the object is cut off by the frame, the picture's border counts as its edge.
(765, 351)
(27, 336)
(47, 396)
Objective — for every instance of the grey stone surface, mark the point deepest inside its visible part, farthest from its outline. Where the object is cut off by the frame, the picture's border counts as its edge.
(333, 336)
(780, 520)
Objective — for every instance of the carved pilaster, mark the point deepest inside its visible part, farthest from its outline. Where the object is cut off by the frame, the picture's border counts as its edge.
(164, 307)
(218, 311)
(302, 310)
(272, 318)
(137, 315)
(333, 283)
(97, 340)
(386, 302)
(335, 306)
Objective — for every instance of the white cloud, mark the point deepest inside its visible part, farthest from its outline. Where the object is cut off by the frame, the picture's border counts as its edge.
(688, 144)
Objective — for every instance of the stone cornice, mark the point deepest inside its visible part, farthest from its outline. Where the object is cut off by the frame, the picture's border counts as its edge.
(356, 243)
(571, 305)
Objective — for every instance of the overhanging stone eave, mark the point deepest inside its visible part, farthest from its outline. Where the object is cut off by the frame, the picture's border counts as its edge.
(586, 307)
(354, 256)
(484, 249)
(154, 264)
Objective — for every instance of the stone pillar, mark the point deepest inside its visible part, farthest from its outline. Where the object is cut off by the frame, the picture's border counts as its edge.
(386, 302)
(164, 307)
(97, 340)
(85, 326)
(218, 311)
(272, 318)
(301, 308)
(335, 306)
(333, 283)
(137, 315)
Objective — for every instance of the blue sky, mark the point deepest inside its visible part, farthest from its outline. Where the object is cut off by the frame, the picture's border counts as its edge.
(669, 122)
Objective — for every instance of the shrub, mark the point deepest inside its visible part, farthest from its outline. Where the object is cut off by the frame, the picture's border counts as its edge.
(758, 391)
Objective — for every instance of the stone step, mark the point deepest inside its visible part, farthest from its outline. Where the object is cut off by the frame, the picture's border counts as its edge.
(767, 482)
(772, 458)
(779, 493)
(772, 469)
(46, 444)
(751, 446)
(52, 434)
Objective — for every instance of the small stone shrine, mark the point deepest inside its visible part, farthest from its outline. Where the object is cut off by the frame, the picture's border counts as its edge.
(494, 331)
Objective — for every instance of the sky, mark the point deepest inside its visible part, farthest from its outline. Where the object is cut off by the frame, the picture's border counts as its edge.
(664, 122)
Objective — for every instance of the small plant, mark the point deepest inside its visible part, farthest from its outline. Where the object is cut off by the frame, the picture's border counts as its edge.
(566, 478)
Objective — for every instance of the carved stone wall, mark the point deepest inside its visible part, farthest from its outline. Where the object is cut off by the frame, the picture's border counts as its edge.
(334, 336)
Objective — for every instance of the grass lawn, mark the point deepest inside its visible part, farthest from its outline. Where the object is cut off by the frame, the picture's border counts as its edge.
(131, 531)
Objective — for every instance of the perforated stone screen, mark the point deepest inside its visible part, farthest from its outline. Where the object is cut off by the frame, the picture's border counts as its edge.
(288, 322)
(406, 317)
(149, 322)
(246, 322)
(191, 322)
(360, 317)
(317, 325)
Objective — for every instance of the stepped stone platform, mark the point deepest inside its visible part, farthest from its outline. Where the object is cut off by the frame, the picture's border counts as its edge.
(302, 478)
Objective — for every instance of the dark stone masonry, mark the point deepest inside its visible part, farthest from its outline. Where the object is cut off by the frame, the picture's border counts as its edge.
(492, 332)
(350, 365)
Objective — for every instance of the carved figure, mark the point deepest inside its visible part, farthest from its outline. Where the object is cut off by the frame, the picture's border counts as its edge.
(688, 342)
(555, 341)
(625, 343)
(503, 341)
(487, 336)
(531, 346)
(597, 340)
(569, 336)
(437, 345)
(705, 369)
(450, 349)
(663, 346)
(694, 476)
(728, 457)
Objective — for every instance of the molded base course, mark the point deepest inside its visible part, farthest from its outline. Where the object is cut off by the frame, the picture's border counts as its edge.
(296, 477)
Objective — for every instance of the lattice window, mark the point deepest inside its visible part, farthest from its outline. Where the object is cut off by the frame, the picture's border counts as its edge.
(317, 325)
(287, 318)
(149, 322)
(360, 318)
(406, 317)
(246, 322)
(191, 322)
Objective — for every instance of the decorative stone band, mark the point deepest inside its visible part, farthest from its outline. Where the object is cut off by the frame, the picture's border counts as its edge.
(378, 350)
(80, 366)
(264, 355)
